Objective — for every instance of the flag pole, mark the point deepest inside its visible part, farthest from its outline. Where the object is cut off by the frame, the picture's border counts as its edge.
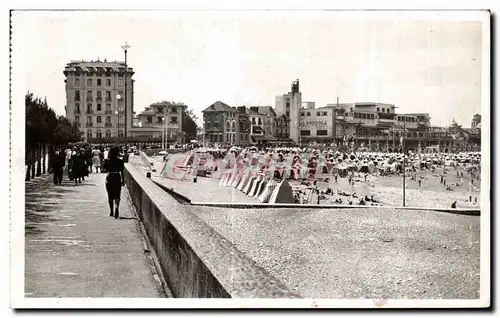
(404, 162)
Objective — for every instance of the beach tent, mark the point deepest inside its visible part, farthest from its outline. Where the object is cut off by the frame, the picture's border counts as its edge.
(228, 177)
(237, 179)
(268, 191)
(249, 184)
(282, 193)
(260, 188)
(255, 184)
(243, 180)
(222, 178)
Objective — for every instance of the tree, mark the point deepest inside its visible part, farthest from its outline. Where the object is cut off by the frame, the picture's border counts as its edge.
(189, 126)
(44, 130)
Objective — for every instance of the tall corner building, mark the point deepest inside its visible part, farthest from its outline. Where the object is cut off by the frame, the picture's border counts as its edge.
(95, 98)
(289, 105)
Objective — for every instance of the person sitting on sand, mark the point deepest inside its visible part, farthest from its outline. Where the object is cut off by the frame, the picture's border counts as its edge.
(454, 205)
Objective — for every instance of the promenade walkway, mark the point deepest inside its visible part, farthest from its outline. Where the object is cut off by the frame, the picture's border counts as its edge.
(75, 249)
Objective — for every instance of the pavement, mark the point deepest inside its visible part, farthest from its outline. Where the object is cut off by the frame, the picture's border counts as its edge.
(358, 253)
(73, 248)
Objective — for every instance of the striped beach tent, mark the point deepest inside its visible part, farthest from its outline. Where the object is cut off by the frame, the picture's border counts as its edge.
(254, 186)
(224, 176)
(268, 191)
(249, 184)
(234, 175)
(244, 181)
(226, 180)
(260, 188)
(237, 179)
(244, 175)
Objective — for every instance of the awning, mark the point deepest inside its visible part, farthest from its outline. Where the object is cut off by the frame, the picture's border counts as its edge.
(263, 137)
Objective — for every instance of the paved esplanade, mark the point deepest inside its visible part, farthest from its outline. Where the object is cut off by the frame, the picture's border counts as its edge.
(75, 249)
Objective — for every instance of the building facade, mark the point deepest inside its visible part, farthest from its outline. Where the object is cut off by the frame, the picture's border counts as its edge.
(95, 97)
(158, 120)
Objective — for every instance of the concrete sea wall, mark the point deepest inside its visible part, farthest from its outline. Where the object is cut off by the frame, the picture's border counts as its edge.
(196, 261)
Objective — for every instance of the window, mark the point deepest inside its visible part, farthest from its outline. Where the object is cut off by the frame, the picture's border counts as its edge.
(287, 105)
(260, 121)
(98, 119)
(173, 119)
(98, 134)
(253, 120)
(173, 110)
(99, 94)
(120, 133)
(383, 110)
(120, 93)
(305, 133)
(108, 82)
(77, 95)
(89, 82)
(108, 107)
(325, 113)
(98, 82)
(388, 110)
(89, 108)
(378, 109)
(288, 114)
(89, 94)
(120, 82)
(108, 95)
(89, 134)
(77, 82)
(302, 114)
(77, 108)
(149, 119)
(318, 113)
(308, 114)
(77, 119)
(322, 133)
(159, 120)
(89, 119)
(108, 119)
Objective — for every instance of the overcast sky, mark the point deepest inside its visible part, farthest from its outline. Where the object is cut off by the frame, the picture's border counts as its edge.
(244, 58)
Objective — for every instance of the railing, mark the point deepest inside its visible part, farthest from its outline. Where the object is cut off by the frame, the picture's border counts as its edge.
(108, 125)
(108, 111)
(77, 111)
(98, 98)
(108, 99)
(89, 111)
(90, 98)
(76, 99)
(89, 124)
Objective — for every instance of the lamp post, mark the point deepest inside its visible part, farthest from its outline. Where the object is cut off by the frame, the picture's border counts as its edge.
(125, 48)
(404, 161)
(162, 131)
(117, 126)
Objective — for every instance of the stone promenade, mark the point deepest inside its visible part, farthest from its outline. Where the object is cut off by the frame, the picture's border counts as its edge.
(75, 249)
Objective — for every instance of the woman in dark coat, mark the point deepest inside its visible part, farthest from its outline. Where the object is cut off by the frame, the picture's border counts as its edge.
(78, 167)
(114, 180)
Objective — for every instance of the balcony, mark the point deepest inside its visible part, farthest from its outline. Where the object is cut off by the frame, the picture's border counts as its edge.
(89, 111)
(76, 99)
(90, 98)
(89, 124)
(108, 99)
(108, 125)
(108, 112)
(98, 98)
(77, 111)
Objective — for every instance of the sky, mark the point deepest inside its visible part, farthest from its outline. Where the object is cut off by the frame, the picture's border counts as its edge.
(420, 64)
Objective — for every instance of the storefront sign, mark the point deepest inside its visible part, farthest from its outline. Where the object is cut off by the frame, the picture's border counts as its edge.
(313, 123)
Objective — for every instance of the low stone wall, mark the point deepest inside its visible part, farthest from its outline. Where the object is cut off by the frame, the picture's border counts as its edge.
(196, 261)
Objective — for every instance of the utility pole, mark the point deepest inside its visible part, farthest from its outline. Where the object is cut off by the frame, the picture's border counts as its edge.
(404, 161)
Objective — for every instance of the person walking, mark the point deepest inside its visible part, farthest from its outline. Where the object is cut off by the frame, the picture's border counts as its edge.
(78, 166)
(96, 159)
(58, 163)
(114, 180)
